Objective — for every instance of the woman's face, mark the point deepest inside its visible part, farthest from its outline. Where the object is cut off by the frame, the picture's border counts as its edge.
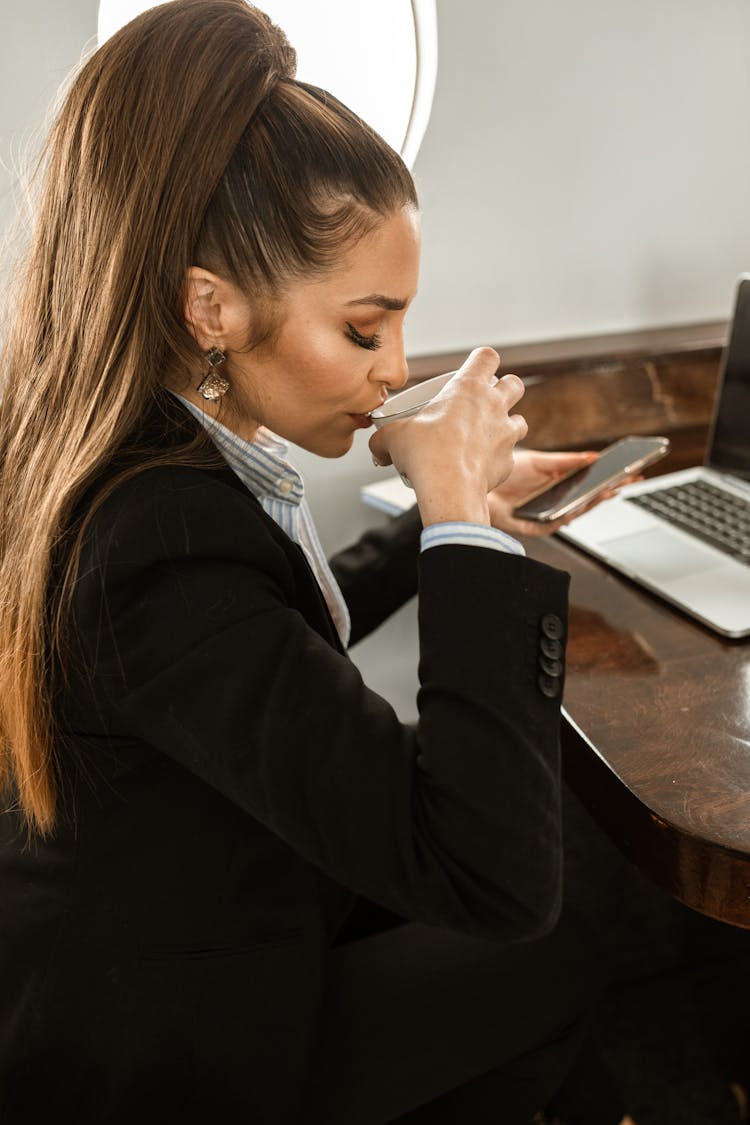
(340, 347)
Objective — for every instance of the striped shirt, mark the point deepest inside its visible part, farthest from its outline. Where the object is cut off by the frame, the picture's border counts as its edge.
(263, 467)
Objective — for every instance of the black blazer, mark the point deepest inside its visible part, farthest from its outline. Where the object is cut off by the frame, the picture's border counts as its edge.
(229, 783)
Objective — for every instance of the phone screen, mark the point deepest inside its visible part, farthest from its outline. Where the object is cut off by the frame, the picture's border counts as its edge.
(628, 455)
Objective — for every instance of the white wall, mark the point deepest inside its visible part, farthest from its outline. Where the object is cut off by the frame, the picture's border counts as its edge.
(586, 169)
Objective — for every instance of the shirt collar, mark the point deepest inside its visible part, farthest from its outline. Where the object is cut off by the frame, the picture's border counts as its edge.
(261, 464)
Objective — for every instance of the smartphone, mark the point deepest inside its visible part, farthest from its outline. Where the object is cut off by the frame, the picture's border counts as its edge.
(624, 458)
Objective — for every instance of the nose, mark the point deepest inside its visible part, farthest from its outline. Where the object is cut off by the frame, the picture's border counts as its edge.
(390, 367)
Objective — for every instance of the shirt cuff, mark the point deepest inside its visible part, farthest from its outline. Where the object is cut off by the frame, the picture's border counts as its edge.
(469, 535)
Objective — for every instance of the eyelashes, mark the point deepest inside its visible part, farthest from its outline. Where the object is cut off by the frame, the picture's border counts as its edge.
(371, 343)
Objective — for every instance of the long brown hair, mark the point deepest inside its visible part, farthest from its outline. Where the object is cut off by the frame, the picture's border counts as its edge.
(184, 140)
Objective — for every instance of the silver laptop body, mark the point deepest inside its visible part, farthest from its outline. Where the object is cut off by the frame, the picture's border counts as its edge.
(711, 585)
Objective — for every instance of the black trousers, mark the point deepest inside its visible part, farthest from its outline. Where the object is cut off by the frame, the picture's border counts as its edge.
(423, 1025)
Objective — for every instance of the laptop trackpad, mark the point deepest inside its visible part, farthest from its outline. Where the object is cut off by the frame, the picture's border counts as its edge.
(658, 555)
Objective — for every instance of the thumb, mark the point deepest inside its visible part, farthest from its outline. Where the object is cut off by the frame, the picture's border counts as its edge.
(565, 462)
(380, 455)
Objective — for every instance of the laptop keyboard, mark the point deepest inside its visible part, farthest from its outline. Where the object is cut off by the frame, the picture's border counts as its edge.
(709, 513)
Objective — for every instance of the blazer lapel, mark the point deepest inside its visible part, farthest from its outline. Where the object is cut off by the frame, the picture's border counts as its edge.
(172, 424)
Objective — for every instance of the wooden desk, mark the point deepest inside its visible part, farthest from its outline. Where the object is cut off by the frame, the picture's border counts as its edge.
(657, 743)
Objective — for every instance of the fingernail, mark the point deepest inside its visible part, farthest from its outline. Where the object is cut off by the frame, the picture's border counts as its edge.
(376, 463)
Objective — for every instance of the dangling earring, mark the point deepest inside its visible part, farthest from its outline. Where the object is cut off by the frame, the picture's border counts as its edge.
(213, 385)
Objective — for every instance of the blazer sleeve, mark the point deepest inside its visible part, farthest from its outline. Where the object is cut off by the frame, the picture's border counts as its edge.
(378, 574)
(192, 642)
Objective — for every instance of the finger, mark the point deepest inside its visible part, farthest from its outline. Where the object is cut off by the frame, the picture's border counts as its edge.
(511, 388)
(481, 363)
(380, 455)
(564, 462)
(520, 426)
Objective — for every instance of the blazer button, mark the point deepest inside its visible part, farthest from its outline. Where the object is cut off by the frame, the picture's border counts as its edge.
(550, 648)
(551, 667)
(549, 686)
(552, 626)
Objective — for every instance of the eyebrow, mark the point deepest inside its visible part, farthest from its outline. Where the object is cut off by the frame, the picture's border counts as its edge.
(390, 304)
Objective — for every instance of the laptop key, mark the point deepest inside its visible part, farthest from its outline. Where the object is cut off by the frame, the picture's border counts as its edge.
(712, 515)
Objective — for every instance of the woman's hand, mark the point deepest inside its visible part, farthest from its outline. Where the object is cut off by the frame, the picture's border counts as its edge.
(533, 471)
(459, 447)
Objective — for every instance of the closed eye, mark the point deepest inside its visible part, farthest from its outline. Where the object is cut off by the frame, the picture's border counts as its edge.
(369, 342)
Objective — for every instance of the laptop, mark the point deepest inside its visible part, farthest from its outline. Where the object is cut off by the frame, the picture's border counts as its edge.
(686, 535)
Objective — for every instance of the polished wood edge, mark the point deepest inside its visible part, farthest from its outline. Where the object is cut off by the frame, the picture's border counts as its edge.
(711, 879)
(703, 336)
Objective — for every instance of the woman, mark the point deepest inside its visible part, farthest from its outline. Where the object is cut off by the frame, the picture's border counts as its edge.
(202, 798)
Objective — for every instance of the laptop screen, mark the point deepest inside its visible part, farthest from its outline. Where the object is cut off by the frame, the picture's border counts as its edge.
(730, 442)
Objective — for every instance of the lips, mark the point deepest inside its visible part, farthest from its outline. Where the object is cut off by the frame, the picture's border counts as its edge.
(364, 420)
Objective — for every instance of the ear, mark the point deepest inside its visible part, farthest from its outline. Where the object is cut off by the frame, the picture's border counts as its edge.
(211, 306)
